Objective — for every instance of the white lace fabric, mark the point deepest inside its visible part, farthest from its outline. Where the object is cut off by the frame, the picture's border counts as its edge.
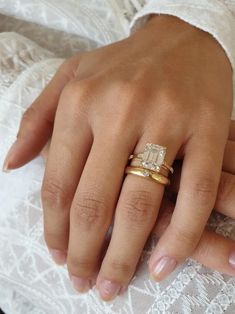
(35, 37)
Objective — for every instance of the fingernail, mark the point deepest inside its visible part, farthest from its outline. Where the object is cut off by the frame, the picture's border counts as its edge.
(5, 167)
(108, 289)
(232, 259)
(164, 267)
(81, 284)
(58, 256)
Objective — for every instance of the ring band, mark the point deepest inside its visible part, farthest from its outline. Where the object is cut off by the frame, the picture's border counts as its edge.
(148, 174)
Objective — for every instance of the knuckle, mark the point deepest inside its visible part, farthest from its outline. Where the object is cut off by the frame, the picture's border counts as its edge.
(80, 94)
(90, 210)
(139, 207)
(132, 91)
(54, 195)
(79, 89)
(69, 66)
(205, 189)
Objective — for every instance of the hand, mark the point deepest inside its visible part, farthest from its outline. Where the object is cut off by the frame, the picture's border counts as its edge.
(213, 250)
(108, 103)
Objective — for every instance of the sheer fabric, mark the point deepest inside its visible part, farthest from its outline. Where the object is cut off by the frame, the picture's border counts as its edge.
(35, 37)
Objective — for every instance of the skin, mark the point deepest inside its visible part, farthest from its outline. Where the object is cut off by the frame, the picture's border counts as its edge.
(169, 84)
(213, 250)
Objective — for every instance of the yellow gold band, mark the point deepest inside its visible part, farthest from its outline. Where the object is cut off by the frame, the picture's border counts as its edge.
(148, 174)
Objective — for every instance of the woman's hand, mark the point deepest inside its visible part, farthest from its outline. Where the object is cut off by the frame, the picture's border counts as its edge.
(213, 250)
(169, 84)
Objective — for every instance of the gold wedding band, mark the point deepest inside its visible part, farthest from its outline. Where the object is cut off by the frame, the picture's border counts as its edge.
(148, 174)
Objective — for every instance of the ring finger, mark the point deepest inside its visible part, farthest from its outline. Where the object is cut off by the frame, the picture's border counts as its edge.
(135, 216)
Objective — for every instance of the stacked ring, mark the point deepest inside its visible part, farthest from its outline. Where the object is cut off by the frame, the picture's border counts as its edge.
(149, 174)
(150, 163)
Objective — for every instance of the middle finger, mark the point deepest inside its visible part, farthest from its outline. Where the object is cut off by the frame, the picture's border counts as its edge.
(93, 205)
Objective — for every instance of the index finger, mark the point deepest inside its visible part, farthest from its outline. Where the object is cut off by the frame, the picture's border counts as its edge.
(37, 122)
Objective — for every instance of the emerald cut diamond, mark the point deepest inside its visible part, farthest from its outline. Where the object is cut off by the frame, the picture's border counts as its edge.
(153, 156)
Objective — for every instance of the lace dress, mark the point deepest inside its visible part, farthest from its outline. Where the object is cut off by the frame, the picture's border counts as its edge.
(35, 38)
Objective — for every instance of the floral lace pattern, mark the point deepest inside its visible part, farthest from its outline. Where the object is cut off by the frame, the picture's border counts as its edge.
(31, 50)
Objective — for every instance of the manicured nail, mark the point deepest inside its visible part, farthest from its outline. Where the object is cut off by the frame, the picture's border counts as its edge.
(81, 284)
(5, 167)
(232, 259)
(108, 289)
(163, 267)
(58, 256)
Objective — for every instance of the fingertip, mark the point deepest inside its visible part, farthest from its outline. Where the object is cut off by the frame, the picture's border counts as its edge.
(20, 153)
(7, 164)
(5, 167)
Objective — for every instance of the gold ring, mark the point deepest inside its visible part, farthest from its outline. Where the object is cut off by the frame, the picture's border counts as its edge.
(148, 174)
(152, 158)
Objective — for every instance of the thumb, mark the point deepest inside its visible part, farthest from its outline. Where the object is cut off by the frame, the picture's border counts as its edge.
(37, 122)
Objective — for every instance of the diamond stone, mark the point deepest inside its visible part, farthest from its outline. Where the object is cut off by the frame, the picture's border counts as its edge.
(153, 156)
(146, 173)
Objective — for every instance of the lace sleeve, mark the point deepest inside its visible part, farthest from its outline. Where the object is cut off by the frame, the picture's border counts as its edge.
(216, 17)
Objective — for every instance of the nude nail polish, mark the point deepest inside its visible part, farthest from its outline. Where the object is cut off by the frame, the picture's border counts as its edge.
(164, 266)
(108, 289)
(5, 167)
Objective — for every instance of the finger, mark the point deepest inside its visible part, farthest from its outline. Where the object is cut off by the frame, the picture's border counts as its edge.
(70, 146)
(93, 206)
(135, 216)
(232, 130)
(229, 157)
(225, 198)
(195, 201)
(37, 122)
(213, 250)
